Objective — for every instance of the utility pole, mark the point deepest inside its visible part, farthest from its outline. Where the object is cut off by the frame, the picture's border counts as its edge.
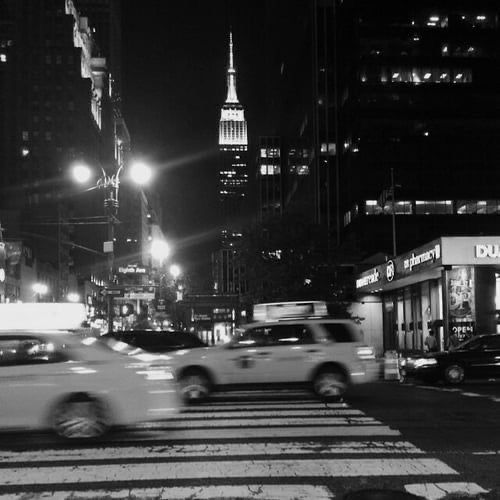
(111, 208)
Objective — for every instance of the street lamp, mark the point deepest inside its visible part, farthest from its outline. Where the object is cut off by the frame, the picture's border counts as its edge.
(73, 297)
(140, 174)
(40, 289)
(160, 250)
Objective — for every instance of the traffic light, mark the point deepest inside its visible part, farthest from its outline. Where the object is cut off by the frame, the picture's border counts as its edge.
(127, 309)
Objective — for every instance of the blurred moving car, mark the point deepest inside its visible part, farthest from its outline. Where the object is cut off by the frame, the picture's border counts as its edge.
(158, 341)
(478, 357)
(78, 386)
(328, 354)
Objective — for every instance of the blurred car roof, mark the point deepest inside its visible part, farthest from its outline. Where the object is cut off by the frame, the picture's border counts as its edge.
(159, 340)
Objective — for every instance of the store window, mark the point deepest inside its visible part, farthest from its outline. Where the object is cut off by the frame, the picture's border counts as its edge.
(433, 207)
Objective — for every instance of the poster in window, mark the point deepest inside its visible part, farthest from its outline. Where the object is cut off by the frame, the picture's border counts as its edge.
(461, 300)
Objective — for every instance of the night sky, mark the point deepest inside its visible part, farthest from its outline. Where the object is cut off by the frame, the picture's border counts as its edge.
(175, 57)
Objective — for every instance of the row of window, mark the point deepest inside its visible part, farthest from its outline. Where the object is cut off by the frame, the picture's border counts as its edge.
(412, 47)
(432, 19)
(426, 207)
(415, 76)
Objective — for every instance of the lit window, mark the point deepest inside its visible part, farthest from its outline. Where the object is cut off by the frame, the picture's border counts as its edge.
(3, 57)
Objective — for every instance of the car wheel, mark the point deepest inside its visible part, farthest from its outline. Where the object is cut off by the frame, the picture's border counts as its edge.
(81, 417)
(194, 386)
(454, 374)
(330, 384)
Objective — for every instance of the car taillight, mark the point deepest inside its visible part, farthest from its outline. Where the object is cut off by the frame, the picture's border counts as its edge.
(366, 352)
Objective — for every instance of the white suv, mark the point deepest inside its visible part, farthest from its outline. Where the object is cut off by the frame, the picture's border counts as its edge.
(329, 354)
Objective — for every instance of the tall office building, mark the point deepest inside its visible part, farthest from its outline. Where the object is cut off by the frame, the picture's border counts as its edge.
(418, 107)
(233, 147)
(60, 95)
(228, 270)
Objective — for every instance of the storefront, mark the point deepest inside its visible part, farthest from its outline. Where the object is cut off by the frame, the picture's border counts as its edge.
(451, 284)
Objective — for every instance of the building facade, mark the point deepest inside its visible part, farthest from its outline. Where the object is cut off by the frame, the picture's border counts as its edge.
(227, 268)
(418, 109)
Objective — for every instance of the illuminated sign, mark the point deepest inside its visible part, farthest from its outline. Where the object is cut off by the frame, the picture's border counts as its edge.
(369, 279)
(487, 251)
(2, 274)
(415, 260)
(390, 270)
(132, 270)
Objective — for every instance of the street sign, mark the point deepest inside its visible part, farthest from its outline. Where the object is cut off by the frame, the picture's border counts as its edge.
(140, 292)
(113, 292)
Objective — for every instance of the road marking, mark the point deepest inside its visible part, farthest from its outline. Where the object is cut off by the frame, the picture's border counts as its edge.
(251, 491)
(472, 394)
(267, 414)
(280, 432)
(495, 399)
(212, 450)
(435, 491)
(271, 405)
(152, 471)
(252, 422)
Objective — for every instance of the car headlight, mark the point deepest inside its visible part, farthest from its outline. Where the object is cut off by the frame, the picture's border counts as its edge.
(419, 363)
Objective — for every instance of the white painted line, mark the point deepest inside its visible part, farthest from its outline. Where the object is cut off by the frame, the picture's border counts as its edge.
(223, 470)
(485, 452)
(279, 432)
(250, 491)
(211, 450)
(472, 394)
(246, 422)
(264, 406)
(267, 414)
(450, 389)
(495, 399)
(429, 387)
(435, 491)
(263, 392)
(315, 412)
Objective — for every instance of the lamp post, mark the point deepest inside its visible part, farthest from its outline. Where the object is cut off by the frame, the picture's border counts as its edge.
(40, 289)
(140, 174)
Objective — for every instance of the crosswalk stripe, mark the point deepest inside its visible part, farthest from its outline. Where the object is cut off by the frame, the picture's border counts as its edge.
(436, 491)
(225, 469)
(252, 422)
(265, 413)
(212, 450)
(250, 491)
(270, 405)
(280, 432)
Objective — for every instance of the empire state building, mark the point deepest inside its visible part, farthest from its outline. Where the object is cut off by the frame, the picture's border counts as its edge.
(233, 147)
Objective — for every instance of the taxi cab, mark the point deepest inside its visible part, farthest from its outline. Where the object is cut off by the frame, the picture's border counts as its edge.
(77, 385)
(327, 354)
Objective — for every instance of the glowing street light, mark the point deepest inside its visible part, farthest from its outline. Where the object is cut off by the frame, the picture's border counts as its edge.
(160, 250)
(82, 173)
(40, 289)
(140, 173)
(175, 271)
(73, 297)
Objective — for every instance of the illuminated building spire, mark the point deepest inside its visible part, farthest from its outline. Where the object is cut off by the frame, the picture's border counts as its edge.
(231, 75)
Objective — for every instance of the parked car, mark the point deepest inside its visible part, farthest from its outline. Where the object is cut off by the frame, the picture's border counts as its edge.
(77, 385)
(327, 354)
(478, 357)
(158, 341)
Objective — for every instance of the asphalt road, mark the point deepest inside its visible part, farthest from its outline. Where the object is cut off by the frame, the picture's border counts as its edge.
(427, 440)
